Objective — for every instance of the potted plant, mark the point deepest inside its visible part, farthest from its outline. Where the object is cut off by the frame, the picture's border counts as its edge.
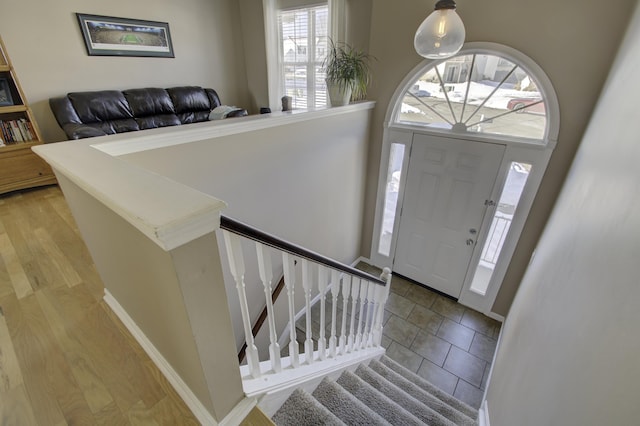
(347, 73)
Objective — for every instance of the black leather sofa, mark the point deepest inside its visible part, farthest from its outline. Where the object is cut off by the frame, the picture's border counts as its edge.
(99, 113)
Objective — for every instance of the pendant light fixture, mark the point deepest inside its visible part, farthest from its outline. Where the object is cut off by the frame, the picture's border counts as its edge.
(441, 35)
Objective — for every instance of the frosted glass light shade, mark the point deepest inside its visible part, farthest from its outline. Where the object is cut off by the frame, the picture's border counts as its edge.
(440, 35)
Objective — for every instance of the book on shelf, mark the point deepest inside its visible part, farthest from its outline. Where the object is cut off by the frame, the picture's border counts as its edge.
(16, 131)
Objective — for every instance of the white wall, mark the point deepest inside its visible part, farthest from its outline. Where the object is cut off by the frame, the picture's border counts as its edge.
(303, 182)
(48, 52)
(570, 347)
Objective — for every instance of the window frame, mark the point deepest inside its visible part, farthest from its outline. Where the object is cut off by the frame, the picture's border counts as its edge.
(336, 30)
(545, 87)
(312, 63)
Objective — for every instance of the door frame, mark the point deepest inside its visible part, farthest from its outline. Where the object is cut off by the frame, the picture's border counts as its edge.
(491, 151)
(535, 152)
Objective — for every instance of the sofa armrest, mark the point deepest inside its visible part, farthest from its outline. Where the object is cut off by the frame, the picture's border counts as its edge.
(81, 131)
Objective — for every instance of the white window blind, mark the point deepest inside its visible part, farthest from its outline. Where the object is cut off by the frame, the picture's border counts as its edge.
(302, 42)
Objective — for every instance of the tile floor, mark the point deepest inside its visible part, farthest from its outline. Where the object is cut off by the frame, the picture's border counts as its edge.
(442, 341)
(446, 343)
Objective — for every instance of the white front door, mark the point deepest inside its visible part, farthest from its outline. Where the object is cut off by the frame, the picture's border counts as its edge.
(448, 183)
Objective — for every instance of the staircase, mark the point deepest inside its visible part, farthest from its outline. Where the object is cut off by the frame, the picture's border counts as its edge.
(381, 393)
(338, 333)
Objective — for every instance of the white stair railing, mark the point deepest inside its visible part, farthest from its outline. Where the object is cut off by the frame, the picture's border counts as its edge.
(358, 327)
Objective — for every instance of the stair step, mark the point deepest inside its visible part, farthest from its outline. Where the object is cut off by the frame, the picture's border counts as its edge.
(303, 409)
(442, 414)
(383, 393)
(346, 406)
(425, 385)
(385, 407)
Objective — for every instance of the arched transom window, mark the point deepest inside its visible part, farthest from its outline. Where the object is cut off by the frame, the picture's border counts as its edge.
(476, 93)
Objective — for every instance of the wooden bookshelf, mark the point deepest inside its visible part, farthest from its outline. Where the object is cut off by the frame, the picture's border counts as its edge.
(20, 167)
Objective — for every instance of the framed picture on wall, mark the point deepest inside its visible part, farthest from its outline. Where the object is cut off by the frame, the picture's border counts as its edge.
(5, 93)
(109, 36)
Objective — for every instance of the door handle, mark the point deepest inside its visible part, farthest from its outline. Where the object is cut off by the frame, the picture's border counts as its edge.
(472, 231)
(470, 242)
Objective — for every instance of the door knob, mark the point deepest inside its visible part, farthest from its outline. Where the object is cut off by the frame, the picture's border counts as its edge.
(472, 231)
(469, 242)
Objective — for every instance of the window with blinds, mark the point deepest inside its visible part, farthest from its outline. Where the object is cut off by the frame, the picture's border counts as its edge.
(303, 37)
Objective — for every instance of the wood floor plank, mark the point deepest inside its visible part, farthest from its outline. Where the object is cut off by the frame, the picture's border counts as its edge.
(257, 417)
(64, 231)
(59, 260)
(82, 368)
(33, 357)
(110, 416)
(125, 359)
(6, 287)
(139, 414)
(163, 413)
(10, 373)
(56, 375)
(60, 226)
(16, 227)
(17, 276)
(59, 205)
(15, 408)
(34, 210)
(173, 403)
(114, 359)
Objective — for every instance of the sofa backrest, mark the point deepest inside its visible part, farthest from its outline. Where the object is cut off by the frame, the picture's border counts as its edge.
(112, 111)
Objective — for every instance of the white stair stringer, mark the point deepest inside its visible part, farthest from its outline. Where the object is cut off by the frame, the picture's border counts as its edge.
(273, 390)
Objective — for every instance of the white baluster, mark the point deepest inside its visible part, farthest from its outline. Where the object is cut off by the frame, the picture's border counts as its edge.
(378, 315)
(323, 276)
(236, 264)
(335, 290)
(307, 285)
(368, 325)
(355, 291)
(382, 294)
(364, 286)
(266, 275)
(346, 291)
(290, 281)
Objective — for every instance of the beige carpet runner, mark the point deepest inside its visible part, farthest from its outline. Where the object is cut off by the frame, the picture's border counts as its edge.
(382, 393)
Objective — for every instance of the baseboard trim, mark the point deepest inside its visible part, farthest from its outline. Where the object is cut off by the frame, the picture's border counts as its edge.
(361, 259)
(239, 412)
(483, 414)
(495, 316)
(194, 404)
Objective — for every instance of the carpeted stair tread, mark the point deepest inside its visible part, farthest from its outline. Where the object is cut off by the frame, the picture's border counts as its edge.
(381, 404)
(345, 406)
(301, 409)
(443, 416)
(389, 364)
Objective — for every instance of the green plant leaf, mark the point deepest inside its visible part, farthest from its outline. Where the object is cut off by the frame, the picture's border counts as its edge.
(348, 67)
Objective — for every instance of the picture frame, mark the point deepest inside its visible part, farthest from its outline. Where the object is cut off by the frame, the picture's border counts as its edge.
(112, 36)
(5, 93)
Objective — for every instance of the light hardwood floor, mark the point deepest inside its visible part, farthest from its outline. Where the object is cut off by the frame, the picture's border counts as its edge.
(65, 359)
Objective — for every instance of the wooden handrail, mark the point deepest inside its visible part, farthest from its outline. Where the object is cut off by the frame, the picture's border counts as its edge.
(270, 240)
